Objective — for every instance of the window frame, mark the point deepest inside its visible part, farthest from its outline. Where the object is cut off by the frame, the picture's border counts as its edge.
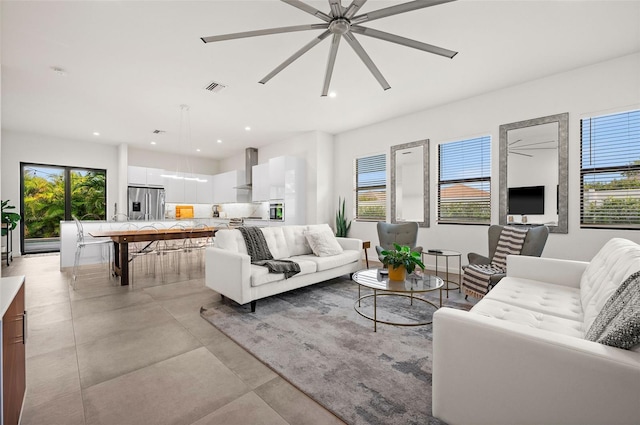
(67, 171)
(603, 170)
(442, 182)
(357, 188)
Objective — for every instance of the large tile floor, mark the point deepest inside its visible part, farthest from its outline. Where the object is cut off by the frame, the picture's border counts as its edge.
(106, 354)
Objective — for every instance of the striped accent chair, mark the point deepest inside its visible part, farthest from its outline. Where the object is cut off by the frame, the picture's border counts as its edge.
(533, 246)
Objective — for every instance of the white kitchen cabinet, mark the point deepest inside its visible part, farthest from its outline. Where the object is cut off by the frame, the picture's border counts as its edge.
(144, 176)
(287, 179)
(261, 187)
(277, 170)
(137, 176)
(224, 188)
(174, 189)
(190, 188)
(204, 189)
(154, 177)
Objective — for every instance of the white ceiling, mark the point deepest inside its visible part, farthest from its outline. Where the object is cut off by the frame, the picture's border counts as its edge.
(130, 64)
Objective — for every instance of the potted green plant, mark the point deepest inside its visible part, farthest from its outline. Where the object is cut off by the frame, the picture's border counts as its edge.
(342, 227)
(401, 260)
(9, 218)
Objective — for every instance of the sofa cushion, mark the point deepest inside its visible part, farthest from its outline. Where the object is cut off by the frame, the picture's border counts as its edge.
(531, 318)
(618, 324)
(260, 275)
(276, 242)
(323, 243)
(327, 263)
(548, 298)
(615, 262)
(296, 241)
(230, 240)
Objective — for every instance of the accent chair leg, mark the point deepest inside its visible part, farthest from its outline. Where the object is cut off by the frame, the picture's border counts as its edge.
(253, 306)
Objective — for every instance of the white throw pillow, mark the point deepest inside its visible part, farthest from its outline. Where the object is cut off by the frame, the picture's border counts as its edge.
(323, 243)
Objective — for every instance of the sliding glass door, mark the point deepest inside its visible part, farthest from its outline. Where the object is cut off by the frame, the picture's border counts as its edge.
(52, 193)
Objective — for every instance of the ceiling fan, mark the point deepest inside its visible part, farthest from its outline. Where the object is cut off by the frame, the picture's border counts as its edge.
(342, 22)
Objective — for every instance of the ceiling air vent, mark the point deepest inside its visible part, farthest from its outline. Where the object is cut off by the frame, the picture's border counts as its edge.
(215, 87)
(158, 131)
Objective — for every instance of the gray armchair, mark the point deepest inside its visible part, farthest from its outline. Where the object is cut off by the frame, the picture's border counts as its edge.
(401, 233)
(534, 243)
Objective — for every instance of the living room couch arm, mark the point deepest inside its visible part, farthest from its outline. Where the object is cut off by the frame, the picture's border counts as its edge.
(486, 370)
(551, 270)
(350, 243)
(228, 273)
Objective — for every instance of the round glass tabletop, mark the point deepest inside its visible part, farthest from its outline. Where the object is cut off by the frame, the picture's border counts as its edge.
(416, 282)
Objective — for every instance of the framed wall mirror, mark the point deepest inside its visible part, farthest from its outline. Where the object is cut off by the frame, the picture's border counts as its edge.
(534, 172)
(410, 183)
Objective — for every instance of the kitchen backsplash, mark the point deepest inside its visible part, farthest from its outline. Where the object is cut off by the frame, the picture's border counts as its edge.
(226, 210)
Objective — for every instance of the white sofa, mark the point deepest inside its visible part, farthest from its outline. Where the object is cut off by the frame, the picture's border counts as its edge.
(520, 357)
(229, 271)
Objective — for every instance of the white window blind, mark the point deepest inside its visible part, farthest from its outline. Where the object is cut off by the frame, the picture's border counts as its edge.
(464, 181)
(610, 171)
(371, 188)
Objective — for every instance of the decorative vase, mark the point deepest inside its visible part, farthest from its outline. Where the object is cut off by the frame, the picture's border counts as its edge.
(397, 273)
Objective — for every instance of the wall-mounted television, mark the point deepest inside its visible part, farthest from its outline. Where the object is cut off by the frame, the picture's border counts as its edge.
(526, 200)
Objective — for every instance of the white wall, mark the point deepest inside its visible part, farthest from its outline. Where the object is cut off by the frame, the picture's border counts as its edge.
(172, 162)
(22, 147)
(316, 148)
(605, 87)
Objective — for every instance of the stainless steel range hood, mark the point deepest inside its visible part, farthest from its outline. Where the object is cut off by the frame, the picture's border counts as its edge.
(250, 159)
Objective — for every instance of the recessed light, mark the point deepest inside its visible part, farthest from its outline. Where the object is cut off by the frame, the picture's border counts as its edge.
(247, 128)
(197, 150)
(219, 141)
(153, 143)
(332, 94)
(95, 133)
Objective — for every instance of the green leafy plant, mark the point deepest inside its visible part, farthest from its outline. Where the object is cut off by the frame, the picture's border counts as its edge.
(9, 218)
(402, 256)
(342, 227)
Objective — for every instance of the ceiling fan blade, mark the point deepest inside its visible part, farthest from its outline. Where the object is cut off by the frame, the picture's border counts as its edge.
(353, 8)
(309, 9)
(336, 8)
(403, 41)
(522, 154)
(364, 57)
(332, 61)
(395, 10)
(533, 144)
(256, 33)
(295, 56)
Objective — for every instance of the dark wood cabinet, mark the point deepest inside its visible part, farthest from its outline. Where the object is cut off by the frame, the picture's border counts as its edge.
(14, 329)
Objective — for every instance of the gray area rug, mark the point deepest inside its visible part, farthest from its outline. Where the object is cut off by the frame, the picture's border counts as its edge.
(314, 339)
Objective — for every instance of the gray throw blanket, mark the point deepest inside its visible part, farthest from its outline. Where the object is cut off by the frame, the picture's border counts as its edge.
(261, 256)
(477, 277)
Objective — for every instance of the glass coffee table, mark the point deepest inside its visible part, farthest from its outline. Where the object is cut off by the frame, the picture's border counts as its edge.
(382, 286)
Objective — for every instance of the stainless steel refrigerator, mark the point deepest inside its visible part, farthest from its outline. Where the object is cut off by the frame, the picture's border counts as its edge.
(146, 203)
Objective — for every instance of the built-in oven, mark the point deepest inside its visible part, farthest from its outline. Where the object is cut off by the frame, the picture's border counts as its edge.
(276, 211)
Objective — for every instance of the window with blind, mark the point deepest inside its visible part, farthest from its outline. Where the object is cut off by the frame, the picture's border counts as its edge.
(371, 188)
(464, 181)
(610, 171)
